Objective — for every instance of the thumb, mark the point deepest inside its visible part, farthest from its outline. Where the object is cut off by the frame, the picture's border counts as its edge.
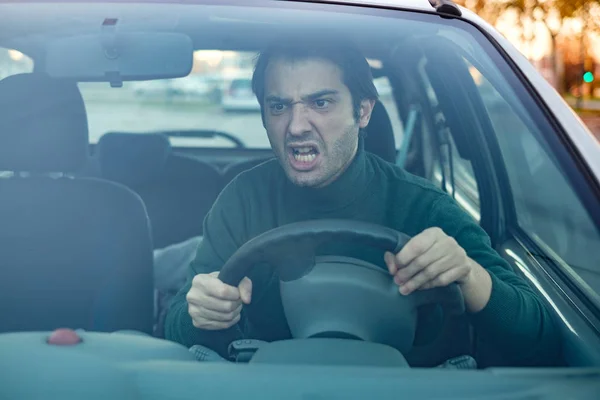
(390, 261)
(245, 288)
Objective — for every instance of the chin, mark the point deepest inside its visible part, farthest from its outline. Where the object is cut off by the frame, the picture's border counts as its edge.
(302, 182)
(304, 179)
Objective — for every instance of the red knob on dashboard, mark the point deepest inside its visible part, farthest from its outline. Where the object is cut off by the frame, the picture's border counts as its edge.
(64, 337)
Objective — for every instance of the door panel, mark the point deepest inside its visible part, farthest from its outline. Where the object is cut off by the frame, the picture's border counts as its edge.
(581, 337)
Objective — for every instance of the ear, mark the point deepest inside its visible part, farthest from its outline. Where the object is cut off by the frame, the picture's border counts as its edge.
(366, 108)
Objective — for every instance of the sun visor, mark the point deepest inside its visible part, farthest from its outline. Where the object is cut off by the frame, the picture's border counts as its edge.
(115, 57)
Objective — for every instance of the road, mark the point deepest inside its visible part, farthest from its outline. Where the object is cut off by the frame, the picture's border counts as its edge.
(120, 110)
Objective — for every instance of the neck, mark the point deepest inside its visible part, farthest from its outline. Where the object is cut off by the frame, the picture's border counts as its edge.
(339, 192)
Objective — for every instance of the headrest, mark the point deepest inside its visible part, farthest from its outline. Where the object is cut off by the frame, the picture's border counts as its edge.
(132, 158)
(379, 138)
(43, 125)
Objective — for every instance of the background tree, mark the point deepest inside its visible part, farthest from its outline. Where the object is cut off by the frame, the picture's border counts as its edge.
(551, 14)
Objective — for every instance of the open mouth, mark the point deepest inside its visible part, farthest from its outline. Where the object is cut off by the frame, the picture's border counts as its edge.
(305, 154)
(303, 157)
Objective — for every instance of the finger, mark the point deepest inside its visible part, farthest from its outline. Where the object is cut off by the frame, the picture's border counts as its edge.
(216, 288)
(426, 275)
(212, 303)
(210, 285)
(245, 289)
(200, 313)
(214, 325)
(227, 325)
(435, 253)
(417, 246)
(390, 261)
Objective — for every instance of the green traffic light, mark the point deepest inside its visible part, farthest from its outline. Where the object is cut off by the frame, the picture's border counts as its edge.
(588, 77)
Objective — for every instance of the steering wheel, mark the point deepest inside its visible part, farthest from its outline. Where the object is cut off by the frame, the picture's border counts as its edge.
(339, 297)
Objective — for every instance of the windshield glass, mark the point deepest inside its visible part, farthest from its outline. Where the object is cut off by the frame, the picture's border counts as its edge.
(403, 145)
(216, 96)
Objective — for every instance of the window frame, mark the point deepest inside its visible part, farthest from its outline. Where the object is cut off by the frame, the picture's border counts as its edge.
(492, 182)
(508, 222)
(571, 162)
(556, 266)
(572, 287)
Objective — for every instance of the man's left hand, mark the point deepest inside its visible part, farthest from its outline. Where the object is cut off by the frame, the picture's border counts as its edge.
(433, 259)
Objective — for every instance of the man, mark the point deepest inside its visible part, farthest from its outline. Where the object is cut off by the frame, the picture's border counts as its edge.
(315, 101)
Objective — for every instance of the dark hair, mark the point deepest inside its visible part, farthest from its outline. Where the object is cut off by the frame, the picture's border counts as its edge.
(356, 72)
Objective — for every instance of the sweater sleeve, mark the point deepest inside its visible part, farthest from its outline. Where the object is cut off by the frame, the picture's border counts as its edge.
(515, 323)
(223, 231)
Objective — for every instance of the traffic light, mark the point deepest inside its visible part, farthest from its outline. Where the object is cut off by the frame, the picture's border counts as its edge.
(588, 77)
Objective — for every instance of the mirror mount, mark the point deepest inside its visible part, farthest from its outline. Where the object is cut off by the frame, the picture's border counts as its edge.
(108, 37)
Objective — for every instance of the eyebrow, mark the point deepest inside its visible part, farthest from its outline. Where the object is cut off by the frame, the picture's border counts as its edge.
(321, 93)
(312, 96)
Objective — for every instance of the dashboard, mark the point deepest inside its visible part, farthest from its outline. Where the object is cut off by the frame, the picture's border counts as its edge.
(127, 365)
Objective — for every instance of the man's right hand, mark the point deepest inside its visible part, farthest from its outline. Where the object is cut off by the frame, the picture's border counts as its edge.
(214, 305)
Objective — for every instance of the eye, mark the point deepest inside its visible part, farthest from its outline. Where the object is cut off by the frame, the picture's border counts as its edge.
(321, 103)
(277, 108)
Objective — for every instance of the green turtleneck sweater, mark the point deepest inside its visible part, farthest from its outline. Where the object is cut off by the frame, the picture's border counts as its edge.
(514, 321)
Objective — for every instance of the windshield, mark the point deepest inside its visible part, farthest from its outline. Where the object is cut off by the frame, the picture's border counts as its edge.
(403, 145)
(212, 98)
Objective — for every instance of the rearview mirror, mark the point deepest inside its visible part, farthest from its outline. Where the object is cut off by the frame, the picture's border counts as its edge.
(120, 57)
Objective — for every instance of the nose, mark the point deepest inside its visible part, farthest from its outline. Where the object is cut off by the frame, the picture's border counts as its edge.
(299, 120)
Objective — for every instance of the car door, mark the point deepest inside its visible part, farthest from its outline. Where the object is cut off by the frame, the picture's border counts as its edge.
(490, 147)
(552, 238)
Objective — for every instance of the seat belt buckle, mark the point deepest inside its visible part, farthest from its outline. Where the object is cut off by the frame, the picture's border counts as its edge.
(460, 362)
(242, 350)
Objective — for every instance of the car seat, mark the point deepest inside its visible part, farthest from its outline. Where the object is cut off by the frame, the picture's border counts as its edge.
(178, 190)
(74, 252)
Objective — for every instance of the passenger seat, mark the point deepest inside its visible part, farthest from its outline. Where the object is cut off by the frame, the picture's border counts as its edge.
(178, 190)
(74, 252)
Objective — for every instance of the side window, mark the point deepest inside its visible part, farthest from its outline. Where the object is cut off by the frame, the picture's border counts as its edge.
(13, 62)
(460, 181)
(386, 98)
(384, 88)
(451, 172)
(547, 207)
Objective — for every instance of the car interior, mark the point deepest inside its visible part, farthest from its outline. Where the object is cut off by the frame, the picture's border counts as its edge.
(81, 219)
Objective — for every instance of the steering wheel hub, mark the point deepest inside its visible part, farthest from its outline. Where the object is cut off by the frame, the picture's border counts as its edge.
(348, 298)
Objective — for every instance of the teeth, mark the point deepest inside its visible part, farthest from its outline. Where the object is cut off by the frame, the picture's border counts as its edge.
(305, 158)
(304, 149)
